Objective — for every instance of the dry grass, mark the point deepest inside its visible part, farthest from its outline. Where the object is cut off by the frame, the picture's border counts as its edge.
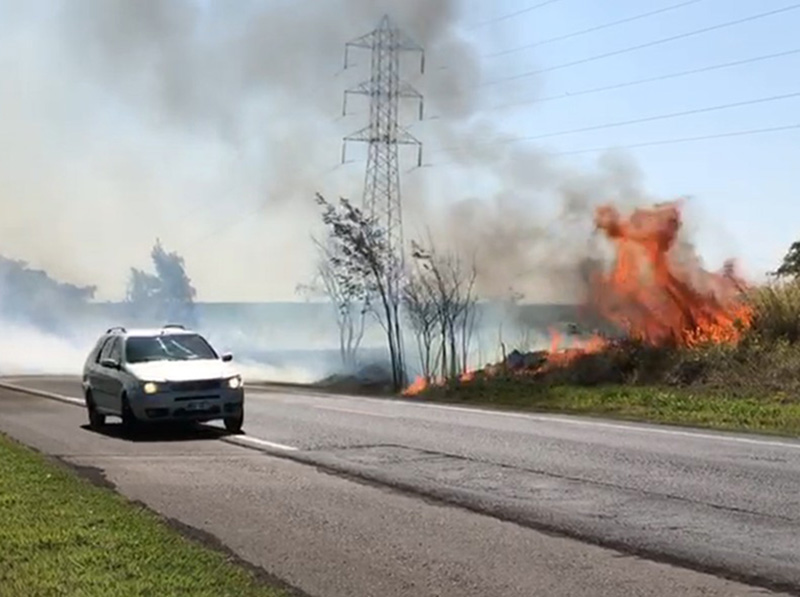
(777, 311)
(754, 385)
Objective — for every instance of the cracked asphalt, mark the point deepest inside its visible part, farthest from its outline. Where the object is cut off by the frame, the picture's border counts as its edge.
(353, 496)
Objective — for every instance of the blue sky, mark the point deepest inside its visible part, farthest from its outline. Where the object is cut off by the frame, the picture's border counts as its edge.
(744, 189)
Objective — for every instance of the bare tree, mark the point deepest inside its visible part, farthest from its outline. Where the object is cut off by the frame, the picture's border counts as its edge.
(359, 250)
(421, 311)
(450, 287)
(348, 296)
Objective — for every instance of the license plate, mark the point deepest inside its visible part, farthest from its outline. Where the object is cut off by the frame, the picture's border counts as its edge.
(199, 405)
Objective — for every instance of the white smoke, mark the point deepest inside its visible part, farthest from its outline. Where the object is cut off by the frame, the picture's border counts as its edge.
(211, 125)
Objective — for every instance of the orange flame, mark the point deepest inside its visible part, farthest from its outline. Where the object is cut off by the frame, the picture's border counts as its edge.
(420, 385)
(656, 291)
(658, 295)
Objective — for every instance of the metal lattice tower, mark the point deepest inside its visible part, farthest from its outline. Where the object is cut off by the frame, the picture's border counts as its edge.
(383, 133)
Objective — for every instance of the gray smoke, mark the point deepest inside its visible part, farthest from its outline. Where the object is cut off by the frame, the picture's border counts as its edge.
(211, 124)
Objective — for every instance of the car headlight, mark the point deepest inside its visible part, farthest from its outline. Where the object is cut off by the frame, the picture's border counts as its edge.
(150, 388)
(235, 382)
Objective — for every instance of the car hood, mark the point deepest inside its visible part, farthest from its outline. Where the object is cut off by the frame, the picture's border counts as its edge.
(164, 371)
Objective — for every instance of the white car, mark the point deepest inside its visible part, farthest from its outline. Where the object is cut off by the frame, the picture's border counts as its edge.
(167, 374)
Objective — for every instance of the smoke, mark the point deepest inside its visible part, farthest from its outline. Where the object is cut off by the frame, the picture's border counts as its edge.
(210, 125)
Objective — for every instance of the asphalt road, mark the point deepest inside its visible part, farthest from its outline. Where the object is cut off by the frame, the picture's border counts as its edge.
(721, 504)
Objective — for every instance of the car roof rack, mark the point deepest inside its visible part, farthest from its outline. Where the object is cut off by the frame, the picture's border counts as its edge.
(174, 325)
(117, 328)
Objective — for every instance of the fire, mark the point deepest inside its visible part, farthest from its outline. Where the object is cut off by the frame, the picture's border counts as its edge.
(558, 357)
(656, 294)
(419, 386)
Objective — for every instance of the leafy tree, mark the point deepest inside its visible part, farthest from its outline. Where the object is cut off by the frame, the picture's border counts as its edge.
(167, 295)
(790, 266)
(32, 296)
(359, 252)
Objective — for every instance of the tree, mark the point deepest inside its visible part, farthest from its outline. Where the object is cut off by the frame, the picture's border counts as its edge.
(359, 250)
(349, 298)
(34, 297)
(790, 266)
(448, 287)
(168, 295)
(421, 311)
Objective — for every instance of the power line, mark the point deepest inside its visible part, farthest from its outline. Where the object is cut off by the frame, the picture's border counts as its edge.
(630, 19)
(619, 123)
(674, 75)
(511, 15)
(676, 141)
(649, 44)
(774, 129)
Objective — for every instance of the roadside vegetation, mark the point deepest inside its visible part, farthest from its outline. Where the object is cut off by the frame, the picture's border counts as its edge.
(670, 350)
(61, 535)
(752, 385)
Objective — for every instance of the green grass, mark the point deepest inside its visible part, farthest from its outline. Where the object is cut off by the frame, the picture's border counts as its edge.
(61, 535)
(773, 413)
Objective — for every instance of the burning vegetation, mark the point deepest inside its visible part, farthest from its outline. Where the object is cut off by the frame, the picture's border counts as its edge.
(654, 295)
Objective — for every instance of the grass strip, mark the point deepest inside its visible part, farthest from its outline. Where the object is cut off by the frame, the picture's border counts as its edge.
(62, 536)
(773, 413)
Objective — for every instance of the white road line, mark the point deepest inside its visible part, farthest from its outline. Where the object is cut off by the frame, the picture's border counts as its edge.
(355, 411)
(600, 424)
(44, 394)
(558, 420)
(474, 411)
(246, 439)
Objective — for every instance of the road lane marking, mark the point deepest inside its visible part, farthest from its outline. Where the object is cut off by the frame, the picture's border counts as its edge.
(555, 419)
(543, 419)
(475, 411)
(43, 394)
(246, 439)
(355, 411)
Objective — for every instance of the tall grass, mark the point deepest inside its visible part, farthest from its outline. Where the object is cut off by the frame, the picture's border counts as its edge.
(777, 311)
(766, 361)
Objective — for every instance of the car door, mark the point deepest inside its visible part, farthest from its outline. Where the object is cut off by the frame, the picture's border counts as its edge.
(115, 377)
(91, 363)
(107, 381)
(98, 375)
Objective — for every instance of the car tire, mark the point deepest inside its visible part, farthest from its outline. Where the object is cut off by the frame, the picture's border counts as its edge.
(234, 424)
(130, 423)
(96, 419)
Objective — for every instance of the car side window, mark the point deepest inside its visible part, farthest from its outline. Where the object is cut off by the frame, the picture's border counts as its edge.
(102, 353)
(108, 348)
(116, 350)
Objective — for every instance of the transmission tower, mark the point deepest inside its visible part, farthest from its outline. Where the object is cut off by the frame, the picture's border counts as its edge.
(383, 133)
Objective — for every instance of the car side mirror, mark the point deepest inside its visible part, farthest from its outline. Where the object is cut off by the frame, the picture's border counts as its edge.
(109, 363)
(227, 357)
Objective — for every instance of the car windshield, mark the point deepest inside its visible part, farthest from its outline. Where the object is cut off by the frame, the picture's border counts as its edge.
(168, 347)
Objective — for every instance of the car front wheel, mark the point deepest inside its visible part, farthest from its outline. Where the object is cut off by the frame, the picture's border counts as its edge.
(234, 424)
(129, 421)
(96, 419)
